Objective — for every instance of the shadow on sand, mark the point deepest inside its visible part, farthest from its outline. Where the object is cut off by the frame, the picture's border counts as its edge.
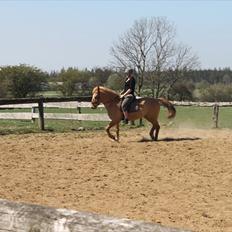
(168, 139)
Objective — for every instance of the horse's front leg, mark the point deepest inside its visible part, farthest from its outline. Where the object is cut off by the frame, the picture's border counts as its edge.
(117, 132)
(111, 124)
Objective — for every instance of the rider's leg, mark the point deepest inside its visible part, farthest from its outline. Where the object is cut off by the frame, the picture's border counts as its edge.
(125, 105)
(125, 117)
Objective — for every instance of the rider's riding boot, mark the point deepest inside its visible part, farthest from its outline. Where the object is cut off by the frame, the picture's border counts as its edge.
(125, 121)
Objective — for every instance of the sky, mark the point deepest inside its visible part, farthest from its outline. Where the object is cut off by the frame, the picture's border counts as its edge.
(57, 34)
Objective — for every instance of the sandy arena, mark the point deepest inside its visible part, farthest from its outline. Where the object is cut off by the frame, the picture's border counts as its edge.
(184, 180)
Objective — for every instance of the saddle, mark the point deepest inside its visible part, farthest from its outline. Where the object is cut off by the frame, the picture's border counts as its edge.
(133, 107)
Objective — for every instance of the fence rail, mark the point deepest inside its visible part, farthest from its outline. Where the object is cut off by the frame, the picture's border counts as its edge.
(202, 104)
(76, 103)
(44, 100)
(60, 116)
(64, 105)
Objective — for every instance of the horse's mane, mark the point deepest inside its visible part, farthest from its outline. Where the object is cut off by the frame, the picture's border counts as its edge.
(107, 93)
(106, 90)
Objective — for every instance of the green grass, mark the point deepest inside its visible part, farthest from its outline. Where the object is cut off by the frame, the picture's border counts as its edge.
(186, 117)
(198, 117)
(26, 126)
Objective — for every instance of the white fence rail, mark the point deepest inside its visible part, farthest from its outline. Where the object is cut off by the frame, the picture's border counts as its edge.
(64, 105)
(76, 105)
(202, 104)
(61, 116)
(86, 117)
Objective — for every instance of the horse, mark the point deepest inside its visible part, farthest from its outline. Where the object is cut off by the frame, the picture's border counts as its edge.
(148, 108)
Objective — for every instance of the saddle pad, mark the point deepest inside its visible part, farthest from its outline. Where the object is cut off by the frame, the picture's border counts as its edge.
(134, 106)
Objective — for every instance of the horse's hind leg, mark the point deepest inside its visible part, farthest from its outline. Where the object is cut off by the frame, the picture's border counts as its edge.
(117, 132)
(156, 128)
(152, 132)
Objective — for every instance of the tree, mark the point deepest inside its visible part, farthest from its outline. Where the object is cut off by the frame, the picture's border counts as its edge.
(115, 82)
(134, 49)
(3, 88)
(73, 80)
(182, 91)
(170, 61)
(149, 47)
(23, 80)
(99, 76)
(216, 92)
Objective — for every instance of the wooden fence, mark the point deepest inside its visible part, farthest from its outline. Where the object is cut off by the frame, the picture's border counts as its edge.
(77, 103)
(215, 106)
(41, 103)
(34, 218)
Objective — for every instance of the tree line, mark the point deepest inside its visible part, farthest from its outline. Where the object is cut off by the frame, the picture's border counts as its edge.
(163, 67)
(195, 85)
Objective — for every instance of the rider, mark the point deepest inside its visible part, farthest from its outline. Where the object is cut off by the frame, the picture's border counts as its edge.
(128, 93)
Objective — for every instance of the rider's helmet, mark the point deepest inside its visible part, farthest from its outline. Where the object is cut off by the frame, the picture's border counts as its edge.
(129, 71)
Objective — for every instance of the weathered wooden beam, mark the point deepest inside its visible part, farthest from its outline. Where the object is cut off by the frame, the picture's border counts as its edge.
(81, 117)
(85, 102)
(45, 99)
(64, 105)
(201, 104)
(41, 114)
(18, 116)
(34, 218)
(215, 115)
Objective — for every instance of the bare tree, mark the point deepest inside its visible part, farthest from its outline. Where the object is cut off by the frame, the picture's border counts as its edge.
(133, 49)
(149, 46)
(166, 72)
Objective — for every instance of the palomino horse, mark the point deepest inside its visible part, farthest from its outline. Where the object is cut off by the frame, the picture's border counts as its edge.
(148, 108)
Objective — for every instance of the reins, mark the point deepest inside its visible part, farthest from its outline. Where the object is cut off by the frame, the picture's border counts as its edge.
(105, 103)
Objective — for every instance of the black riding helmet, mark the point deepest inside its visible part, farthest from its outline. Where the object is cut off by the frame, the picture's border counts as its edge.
(129, 71)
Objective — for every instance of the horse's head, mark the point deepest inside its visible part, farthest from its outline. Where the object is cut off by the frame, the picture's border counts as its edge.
(103, 95)
(95, 97)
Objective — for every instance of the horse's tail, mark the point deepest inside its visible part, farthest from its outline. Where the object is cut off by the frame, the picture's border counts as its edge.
(169, 105)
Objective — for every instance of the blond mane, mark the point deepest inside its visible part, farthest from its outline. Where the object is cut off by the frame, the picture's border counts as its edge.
(107, 95)
(106, 90)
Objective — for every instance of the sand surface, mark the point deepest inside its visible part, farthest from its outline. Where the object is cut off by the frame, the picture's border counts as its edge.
(184, 180)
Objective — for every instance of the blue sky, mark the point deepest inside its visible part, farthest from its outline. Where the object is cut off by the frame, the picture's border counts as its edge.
(56, 34)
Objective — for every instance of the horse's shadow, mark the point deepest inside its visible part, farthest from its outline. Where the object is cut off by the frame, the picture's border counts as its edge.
(168, 139)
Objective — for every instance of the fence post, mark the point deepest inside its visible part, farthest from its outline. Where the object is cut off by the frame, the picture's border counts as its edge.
(41, 114)
(32, 113)
(215, 114)
(79, 109)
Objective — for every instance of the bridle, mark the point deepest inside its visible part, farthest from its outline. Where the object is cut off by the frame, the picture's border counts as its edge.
(98, 95)
(97, 99)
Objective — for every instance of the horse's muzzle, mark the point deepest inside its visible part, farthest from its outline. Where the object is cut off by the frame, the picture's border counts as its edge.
(94, 106)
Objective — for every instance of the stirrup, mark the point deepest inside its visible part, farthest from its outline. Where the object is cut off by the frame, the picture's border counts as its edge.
(125, 121)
